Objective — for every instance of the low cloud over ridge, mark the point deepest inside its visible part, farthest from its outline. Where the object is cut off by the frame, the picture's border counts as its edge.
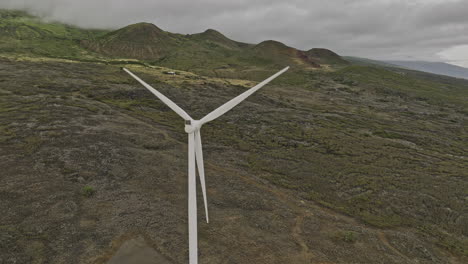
(381, 29)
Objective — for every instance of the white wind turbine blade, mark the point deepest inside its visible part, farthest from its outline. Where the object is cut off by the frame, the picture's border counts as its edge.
(201, 169)
(236, 100)
(192, 201)
(162, 97)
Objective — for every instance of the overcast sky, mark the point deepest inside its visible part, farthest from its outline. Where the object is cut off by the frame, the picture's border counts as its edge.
(379, 29)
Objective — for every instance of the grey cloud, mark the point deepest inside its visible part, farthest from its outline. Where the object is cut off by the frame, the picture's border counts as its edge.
(387, 29)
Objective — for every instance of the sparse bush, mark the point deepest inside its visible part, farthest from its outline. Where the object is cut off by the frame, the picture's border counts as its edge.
(88, 191)
(388, 134)
(346, 236)
(349, 236)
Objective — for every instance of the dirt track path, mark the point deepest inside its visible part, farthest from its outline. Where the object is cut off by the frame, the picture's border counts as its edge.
(306, 255)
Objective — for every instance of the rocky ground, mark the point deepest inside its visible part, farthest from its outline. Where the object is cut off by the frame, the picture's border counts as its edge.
(92, 164)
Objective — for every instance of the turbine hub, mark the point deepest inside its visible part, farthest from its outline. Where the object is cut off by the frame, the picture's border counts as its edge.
(192, 125)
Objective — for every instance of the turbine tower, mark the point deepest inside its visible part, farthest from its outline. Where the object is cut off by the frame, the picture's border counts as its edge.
(195, 153)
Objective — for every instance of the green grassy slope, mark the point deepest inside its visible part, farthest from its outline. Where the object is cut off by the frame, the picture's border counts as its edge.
(24, 34)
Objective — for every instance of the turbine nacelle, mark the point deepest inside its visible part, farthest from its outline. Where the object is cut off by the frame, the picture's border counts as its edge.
(192, 126)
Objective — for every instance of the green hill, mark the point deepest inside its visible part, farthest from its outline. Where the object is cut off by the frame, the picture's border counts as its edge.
(213, 37)
(24, 34)
(139, 41)
(279, 53)
(325, 56)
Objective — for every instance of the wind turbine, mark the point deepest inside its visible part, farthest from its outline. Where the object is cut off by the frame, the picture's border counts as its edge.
(195, 153)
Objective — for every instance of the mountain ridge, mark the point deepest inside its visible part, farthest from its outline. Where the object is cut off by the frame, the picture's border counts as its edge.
(211, 43)
(208, 52)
